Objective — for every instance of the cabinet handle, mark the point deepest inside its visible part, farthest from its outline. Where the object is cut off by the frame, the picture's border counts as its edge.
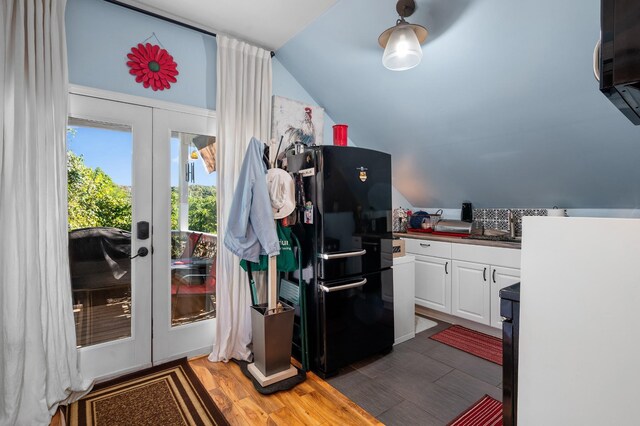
(494, 276)
(425, 245)
(445, 268)
(484, 274)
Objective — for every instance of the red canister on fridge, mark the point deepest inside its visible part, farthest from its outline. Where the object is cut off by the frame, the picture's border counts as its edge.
(340, 134)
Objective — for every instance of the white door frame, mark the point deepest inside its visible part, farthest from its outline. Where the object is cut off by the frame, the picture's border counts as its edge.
(167, 343)
(131, 353)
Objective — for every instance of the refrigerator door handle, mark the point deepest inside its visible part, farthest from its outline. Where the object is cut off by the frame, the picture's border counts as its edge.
(343, 287)
(340, 255)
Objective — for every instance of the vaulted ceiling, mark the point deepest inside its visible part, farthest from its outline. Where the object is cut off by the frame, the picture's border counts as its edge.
(503, 110)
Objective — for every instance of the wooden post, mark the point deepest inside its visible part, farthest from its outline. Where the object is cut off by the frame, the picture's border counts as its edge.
(272, 285)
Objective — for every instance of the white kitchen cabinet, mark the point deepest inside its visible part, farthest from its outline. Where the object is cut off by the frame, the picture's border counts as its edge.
(463, 279)
(433, 283)
(471, 291)
(500, 278)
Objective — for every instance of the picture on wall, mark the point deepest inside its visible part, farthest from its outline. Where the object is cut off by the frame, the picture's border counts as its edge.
(296, 122)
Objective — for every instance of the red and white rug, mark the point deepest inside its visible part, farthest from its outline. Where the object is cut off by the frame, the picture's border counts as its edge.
(486, 412)
(471, 341)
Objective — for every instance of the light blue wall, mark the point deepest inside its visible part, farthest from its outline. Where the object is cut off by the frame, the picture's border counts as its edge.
(100, 34)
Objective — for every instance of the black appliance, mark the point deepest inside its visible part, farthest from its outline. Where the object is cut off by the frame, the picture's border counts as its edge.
(344, 226)
(619, 62)
(466, 213)
(510, 312)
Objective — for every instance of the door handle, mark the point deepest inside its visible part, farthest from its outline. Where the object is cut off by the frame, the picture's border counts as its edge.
(445, 268)
(343, 287)
(340, 255)
(142, 252)
(425, 245)
(494, 276)
(484, 274)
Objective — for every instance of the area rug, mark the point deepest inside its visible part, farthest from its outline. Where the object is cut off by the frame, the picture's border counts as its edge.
(471, 341)
(486, 412)
(167, 394)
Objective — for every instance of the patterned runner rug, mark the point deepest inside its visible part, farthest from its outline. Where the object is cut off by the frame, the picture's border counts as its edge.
(167, 394)
(486, 412)
(471, 341)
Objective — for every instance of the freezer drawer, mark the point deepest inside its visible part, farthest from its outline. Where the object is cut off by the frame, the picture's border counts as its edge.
(354, 320)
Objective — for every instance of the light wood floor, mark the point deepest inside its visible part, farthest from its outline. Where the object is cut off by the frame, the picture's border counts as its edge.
(313, 402)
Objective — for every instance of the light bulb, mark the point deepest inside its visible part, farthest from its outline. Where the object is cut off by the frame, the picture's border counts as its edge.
(403, 50)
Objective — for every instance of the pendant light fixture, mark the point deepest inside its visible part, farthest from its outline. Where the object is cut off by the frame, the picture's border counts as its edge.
(401, 43)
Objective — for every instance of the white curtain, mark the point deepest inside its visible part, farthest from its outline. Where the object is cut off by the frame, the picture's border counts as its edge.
(243, 108)
(38, 368)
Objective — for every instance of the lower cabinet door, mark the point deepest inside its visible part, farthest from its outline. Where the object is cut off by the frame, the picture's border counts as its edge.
(433, 283)
(500, 278)
(470, 291)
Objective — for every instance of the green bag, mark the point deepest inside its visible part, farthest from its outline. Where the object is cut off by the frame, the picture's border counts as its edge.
(285, 261)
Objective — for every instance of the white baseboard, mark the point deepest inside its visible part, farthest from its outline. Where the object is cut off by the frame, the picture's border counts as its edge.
(421, 310)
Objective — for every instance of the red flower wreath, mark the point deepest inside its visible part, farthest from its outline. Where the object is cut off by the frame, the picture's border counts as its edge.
(152, 66)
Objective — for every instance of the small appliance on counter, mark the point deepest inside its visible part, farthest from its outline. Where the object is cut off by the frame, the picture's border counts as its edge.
(457, 227)
(466, 214)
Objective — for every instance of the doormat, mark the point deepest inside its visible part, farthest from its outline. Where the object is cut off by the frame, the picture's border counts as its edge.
(486, 412)
(167, 394)
(471, 341)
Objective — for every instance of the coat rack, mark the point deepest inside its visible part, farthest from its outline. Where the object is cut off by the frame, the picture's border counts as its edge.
(272, 330)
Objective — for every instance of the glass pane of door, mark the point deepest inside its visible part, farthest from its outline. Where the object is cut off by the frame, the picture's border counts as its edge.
(99, 160)
(193, 227)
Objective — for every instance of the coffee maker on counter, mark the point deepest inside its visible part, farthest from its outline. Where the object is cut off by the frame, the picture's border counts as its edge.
(467, 212)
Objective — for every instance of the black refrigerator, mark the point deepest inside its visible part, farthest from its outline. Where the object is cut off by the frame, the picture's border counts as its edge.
(344, 227)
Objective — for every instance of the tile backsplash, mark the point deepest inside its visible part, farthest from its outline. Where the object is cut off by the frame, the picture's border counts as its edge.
(499, 218)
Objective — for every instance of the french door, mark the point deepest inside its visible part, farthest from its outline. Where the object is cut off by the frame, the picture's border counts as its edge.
(184, 237)
(142, 233)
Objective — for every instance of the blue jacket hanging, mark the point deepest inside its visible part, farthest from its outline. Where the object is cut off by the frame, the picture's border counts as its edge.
(251, 229)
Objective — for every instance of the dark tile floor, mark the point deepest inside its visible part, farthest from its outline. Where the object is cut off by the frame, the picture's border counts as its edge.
(422, 382)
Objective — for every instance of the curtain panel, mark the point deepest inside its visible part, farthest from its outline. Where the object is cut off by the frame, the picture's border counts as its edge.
(38, 357)
(243, 110)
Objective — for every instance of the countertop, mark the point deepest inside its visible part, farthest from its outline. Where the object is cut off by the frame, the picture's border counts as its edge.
(458, 240)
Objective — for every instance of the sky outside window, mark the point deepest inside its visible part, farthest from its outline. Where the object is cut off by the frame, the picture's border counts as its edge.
(104, 148)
